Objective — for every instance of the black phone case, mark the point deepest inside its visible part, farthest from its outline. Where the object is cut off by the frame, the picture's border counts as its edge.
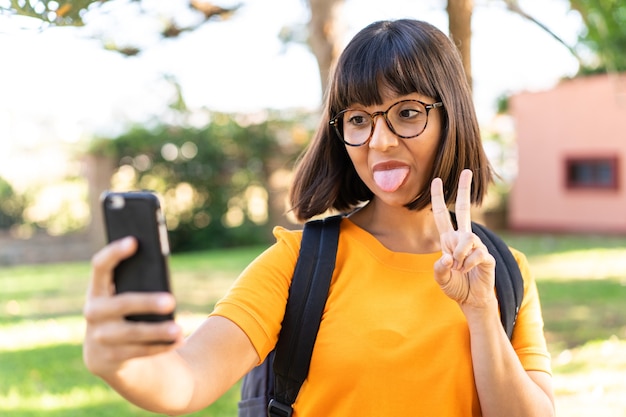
(139, 214)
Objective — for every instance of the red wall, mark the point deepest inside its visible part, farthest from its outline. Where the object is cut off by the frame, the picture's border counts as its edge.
(583, 117)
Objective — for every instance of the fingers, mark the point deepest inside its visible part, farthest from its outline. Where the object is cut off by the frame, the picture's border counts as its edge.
(102, 311)
(467, 257)
(439, 207)
(442, 268)
(454, 285)
(463, 202)
(105, 261)
(458, 274)
(109, 345)
(468, 252)
(465, 271)
(121, 305)
(457, 243)
(462, 205)
(110, 339)
(136, 333)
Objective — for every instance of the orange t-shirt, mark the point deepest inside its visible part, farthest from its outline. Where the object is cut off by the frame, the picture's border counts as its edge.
(390, 342)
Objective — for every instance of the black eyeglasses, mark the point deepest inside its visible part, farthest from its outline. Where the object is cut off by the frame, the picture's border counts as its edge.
(406, 119)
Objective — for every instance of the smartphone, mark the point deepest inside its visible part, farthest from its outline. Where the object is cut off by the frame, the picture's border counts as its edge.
(139, 214)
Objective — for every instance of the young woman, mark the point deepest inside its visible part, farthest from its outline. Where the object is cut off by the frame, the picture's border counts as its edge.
(411, 324)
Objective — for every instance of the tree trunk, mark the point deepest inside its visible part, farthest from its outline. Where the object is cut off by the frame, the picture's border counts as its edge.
(460, 27)
(325, 35)
(98, 170)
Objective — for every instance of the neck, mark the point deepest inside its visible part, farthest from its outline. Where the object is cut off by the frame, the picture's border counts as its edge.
(398, 228)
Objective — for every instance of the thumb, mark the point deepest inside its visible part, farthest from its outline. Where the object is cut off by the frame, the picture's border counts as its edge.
(104, 262)
(443, 268)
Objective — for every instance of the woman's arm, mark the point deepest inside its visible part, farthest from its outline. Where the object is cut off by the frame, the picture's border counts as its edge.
(466, 274)
(504, 387)
(172, 378)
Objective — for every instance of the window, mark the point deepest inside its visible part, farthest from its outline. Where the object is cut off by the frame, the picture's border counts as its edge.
(592, 173)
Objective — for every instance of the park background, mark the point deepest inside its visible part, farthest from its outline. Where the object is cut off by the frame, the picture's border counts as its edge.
(211, 111)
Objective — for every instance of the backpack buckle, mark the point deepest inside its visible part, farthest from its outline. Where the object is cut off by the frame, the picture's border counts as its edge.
(278, 409)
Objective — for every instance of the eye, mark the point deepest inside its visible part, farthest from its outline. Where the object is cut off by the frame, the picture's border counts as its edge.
(357, 119)
(409, 112)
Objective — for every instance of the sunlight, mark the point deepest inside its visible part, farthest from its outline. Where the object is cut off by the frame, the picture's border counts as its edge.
(582, 264)
(30, 334)
(589, 381)
(39, 333)
(77, 397)
(60, 207)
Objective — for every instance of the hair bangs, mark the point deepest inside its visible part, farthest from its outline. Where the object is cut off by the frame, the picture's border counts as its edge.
(358, 82)
(407, 71)
(390, 60)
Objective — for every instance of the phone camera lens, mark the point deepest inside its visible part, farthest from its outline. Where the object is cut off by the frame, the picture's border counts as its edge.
(117, 202)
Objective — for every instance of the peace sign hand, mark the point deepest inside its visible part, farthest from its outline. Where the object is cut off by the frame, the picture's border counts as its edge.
(466, 270)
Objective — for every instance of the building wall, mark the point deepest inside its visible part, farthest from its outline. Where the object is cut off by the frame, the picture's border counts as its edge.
(579, 118)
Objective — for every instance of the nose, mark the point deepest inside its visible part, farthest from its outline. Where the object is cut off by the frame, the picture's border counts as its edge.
(382, 136)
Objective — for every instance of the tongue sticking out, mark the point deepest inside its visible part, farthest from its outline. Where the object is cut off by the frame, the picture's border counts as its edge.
(390, 180)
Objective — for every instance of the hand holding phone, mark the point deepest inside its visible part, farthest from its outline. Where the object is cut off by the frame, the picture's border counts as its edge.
(139, 214)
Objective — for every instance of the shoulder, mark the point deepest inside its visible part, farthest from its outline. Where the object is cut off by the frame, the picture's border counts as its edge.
(530, 284)
(523, 264)
(282, 253)
(518, 255)
(288, 237)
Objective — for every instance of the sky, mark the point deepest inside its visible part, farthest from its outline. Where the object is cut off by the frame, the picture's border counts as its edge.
(58, 86)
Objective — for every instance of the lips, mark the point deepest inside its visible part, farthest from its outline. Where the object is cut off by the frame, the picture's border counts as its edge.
(389, 176)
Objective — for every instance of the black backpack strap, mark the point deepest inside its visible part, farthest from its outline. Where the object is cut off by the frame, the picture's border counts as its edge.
(303, 313)
(509, 280)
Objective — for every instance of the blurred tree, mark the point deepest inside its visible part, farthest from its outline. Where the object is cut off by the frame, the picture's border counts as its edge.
(514, 6)
(56, 12)
(216, 181)
(11, 205)
(74, 12)
(325, 35)
(460, 28)
(605, 35)
(325, 32)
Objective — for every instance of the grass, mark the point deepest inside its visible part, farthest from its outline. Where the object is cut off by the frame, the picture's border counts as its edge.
(582, 285)
(581, 279)
(41, 333)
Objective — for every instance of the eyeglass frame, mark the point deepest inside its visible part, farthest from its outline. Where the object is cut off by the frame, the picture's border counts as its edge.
(428, 107)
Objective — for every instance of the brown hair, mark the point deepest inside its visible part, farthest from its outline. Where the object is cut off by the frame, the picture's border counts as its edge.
(406, 56)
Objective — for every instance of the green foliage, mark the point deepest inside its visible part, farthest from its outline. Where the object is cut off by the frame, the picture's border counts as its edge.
(11, 205)
(214, 180)
(52, 380)
(605, 35)
(62, 13)
(56, 12)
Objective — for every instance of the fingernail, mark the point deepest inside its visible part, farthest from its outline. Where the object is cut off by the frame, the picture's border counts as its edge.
(126, 243)
(163, 302)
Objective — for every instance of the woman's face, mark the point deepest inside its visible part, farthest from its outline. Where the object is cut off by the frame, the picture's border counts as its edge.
(393, 168)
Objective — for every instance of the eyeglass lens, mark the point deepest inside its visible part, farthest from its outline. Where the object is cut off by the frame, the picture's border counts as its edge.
(406, 119)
